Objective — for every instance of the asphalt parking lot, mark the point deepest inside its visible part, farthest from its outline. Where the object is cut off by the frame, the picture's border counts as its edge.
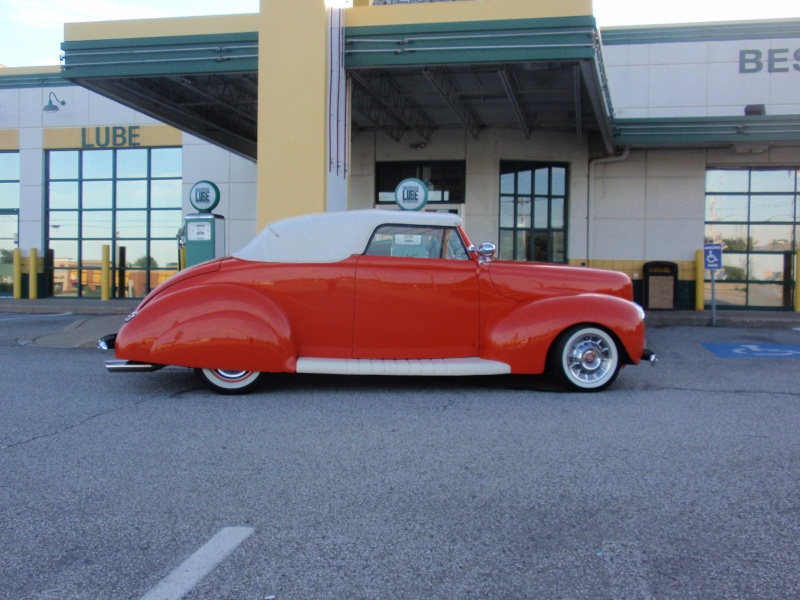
(678, 482)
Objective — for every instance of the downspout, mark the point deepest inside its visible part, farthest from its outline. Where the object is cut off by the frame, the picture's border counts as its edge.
(626, 152)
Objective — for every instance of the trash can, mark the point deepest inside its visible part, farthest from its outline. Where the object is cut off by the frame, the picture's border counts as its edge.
(660, 285)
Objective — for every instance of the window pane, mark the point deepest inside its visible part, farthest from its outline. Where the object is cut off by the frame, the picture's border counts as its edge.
(166, 162)
(92, 256)
(98, 164)
(559, 177)
(506, 211)
(165, 223)
(97, 194)
(163, 254)
(542, 181)
(540, 216)
(540, 246)
(524, 212)
(9, 166)
(131, 194)
(771, 238)
(63, 195)
(64, 224)
(557, 213)
(96, 224)
(63, 165)
(732, 237)
(524, 183)
(772, 208)
(131, 164)
(9, 196)
(734, 267)
(506, 250)
(165, 194)
(767, 295)
(727, 181)
(65, 253)
(507, 183)
(726, 208)
(766, 267)
(131, 224)
(728, 294)
(559, 247)
(772, 181)
(135, 253)
(523, 245)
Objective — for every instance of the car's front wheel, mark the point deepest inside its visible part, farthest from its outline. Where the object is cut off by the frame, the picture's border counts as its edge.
(225, 381)
(585, 359)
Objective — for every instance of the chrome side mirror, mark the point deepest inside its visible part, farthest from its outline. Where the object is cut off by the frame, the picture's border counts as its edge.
(486, 252)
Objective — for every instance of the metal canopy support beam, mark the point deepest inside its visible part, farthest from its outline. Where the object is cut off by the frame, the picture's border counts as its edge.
(444, 84)
(512, 91)
(597, 89)
(377, 84)
(239, 140)
(576, 71)
(377, 114)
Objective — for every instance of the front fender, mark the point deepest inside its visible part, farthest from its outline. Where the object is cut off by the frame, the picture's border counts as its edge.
(220, 326)
(522, 336)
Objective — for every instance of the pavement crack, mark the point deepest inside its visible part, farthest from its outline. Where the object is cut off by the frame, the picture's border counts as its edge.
(63, 430)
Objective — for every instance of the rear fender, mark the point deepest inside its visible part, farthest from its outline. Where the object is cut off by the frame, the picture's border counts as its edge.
(220, 326)
(522, 336)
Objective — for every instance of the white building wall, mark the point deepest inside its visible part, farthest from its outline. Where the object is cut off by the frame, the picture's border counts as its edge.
(702, 79)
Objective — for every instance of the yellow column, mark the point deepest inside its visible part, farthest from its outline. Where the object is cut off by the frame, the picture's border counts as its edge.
(33, 277)
(699, 277)
(17, 274)
(292, 106)
(797, 281)
(105, 273)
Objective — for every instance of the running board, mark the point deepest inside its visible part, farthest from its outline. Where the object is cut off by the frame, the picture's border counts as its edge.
(446, 367)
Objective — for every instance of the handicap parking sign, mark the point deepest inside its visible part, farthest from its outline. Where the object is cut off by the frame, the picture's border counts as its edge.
(712, 257)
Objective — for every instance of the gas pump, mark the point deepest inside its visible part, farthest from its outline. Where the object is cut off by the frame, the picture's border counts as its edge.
(204, 232)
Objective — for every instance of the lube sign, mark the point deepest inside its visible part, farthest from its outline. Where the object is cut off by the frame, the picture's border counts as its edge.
(411, 194)
(774, 60)
(110, 137)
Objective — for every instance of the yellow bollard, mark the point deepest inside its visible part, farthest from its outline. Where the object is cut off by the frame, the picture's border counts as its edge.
(17, 274)
(700, 284)
(105, 274)
(33, 277)
(182, 259)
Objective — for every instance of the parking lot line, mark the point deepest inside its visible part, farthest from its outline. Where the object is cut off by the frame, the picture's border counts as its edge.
(178, 583)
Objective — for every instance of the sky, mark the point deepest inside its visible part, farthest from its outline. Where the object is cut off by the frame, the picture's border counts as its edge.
(31, 31)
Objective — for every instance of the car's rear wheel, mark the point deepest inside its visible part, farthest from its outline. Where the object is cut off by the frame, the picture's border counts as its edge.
(585, 359)
(224, 381)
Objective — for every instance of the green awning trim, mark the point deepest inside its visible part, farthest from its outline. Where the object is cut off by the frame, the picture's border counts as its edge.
(33, 80)
(706, 32)
(706, 131)
(132, 57)
(569, 38)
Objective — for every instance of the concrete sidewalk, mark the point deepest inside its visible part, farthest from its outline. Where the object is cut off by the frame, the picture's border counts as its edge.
(96, 318)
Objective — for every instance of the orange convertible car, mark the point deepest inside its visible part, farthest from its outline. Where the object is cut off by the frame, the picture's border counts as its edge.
(376, 292)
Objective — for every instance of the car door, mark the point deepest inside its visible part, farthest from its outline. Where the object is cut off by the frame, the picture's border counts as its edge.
(416, 296)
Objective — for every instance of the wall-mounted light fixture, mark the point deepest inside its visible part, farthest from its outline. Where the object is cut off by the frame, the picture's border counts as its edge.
(50, 107)
(752, 110)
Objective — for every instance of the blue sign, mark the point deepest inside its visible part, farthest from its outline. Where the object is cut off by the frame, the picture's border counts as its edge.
(754, 350)
(712, 257)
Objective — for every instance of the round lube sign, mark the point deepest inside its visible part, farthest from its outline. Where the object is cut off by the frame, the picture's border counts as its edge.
(411, 194)
(204, 196)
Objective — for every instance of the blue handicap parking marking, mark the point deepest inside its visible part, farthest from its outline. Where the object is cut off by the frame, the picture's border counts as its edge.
(753, 350)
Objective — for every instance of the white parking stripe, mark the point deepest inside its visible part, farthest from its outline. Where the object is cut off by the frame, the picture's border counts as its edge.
(47, 316)
(178, 583)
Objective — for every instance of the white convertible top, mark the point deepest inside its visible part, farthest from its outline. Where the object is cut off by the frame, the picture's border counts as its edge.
(331, 237)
